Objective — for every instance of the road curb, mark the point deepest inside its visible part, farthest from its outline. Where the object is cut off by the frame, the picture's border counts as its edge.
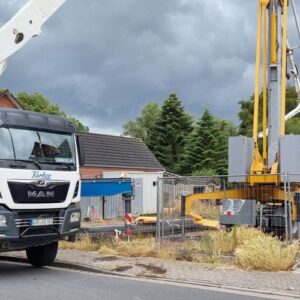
(61, 264)
(86, 268)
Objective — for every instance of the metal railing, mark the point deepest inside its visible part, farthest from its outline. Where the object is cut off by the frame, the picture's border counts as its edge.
(189, 206)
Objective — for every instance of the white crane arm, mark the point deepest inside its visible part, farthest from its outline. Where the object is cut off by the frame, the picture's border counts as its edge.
(294, 70)
(24, 25)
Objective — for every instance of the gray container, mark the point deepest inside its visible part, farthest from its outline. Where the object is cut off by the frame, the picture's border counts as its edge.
(289, 147)
(239, 158)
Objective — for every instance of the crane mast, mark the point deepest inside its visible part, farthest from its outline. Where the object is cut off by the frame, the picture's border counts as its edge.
(267, 174)
(274, 57)
(271, 68)
(293, 71)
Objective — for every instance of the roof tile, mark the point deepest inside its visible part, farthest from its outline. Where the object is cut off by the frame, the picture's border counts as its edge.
(116, 151)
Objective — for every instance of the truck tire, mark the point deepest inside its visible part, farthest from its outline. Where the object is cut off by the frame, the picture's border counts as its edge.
(42, 255)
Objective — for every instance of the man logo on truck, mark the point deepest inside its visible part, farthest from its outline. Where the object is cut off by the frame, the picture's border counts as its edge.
(41, 194)
(41, 183)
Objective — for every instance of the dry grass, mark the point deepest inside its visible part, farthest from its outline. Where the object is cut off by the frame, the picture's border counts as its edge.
(83, 243)
(252, 249)
(242, 234)
(266, 253)
(222, 242)
(137, 248)
(225, 242)
(133, 248)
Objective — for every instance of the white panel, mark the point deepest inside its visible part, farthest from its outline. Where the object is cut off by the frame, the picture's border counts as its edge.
(149, 190)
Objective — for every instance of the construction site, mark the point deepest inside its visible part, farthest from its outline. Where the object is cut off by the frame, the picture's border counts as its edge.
(117, 205)
(261, 188)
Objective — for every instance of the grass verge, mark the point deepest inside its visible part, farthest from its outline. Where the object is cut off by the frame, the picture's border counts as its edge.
(251, 248)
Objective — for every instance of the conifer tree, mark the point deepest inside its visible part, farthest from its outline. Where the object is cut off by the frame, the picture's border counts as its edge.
(205, 147)
(221, 153)
(168, 138)
(208, 141)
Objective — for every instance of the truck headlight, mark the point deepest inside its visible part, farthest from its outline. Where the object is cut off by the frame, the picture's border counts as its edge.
(75, 217)
(3, 221)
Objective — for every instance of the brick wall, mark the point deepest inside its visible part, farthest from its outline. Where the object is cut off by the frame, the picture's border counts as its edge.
(97, 172)
(6, 101)
(90, 172)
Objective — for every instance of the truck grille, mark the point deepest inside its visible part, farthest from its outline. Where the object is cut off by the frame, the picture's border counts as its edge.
(23, 223)
(53, 192)
(26, 222)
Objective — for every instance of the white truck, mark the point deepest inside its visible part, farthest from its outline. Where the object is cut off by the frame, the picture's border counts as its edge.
(39, 183)
(39, 160)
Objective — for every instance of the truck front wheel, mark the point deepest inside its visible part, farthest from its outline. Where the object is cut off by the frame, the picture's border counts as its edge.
(42, 255)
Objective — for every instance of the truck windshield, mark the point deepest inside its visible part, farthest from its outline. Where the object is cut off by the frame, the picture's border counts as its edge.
(39, 146)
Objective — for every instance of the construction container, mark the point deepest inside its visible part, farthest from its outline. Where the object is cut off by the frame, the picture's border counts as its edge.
(145, 190)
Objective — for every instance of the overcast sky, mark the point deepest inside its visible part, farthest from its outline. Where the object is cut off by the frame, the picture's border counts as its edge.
(103, 60)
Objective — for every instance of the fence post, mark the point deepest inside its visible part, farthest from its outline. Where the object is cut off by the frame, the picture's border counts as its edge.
(182, 213)
(158, 212)
(162, 216)
(171, 207)
(261, 209)
(297, 200)
(128, 218)
(290, 210)
(285, 209)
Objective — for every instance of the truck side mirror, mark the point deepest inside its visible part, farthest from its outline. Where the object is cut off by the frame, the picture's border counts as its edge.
(80, 150)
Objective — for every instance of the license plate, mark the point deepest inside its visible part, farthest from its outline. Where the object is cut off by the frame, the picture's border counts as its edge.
(41, 222)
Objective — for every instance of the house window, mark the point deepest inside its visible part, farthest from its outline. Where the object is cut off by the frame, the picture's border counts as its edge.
(199, 189)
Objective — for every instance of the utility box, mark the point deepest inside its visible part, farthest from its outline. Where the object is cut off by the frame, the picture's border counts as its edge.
(239, 158)
(238, 212)
(289, 157)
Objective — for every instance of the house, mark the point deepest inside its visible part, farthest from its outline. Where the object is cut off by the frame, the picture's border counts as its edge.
(7, 100)
(108, 153)
(110, 156)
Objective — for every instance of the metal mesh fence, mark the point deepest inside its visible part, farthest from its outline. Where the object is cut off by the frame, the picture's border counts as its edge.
(189, 207)
(193, 209)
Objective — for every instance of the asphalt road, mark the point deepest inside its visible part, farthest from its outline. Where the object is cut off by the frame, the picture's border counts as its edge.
(20, 281)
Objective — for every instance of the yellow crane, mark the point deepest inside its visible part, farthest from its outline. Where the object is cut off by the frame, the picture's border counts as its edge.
(263, 169)
(259, 173)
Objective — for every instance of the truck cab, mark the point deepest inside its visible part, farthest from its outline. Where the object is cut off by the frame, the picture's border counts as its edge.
(39, 183)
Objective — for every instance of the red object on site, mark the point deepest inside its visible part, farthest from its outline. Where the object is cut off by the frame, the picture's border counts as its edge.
(129, 231)
(128, 218)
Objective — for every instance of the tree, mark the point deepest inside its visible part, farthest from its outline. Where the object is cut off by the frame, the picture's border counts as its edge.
(246, 117)
(226, 126)
(134, 129)
(207, 146)
(200, 151)
(79, 127)
(142, 126)
(168, 137)
(225, 130)
(247, 108)
(39, 103)
(205, 172)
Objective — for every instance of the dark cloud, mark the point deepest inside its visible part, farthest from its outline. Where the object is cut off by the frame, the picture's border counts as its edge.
(102, 61)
